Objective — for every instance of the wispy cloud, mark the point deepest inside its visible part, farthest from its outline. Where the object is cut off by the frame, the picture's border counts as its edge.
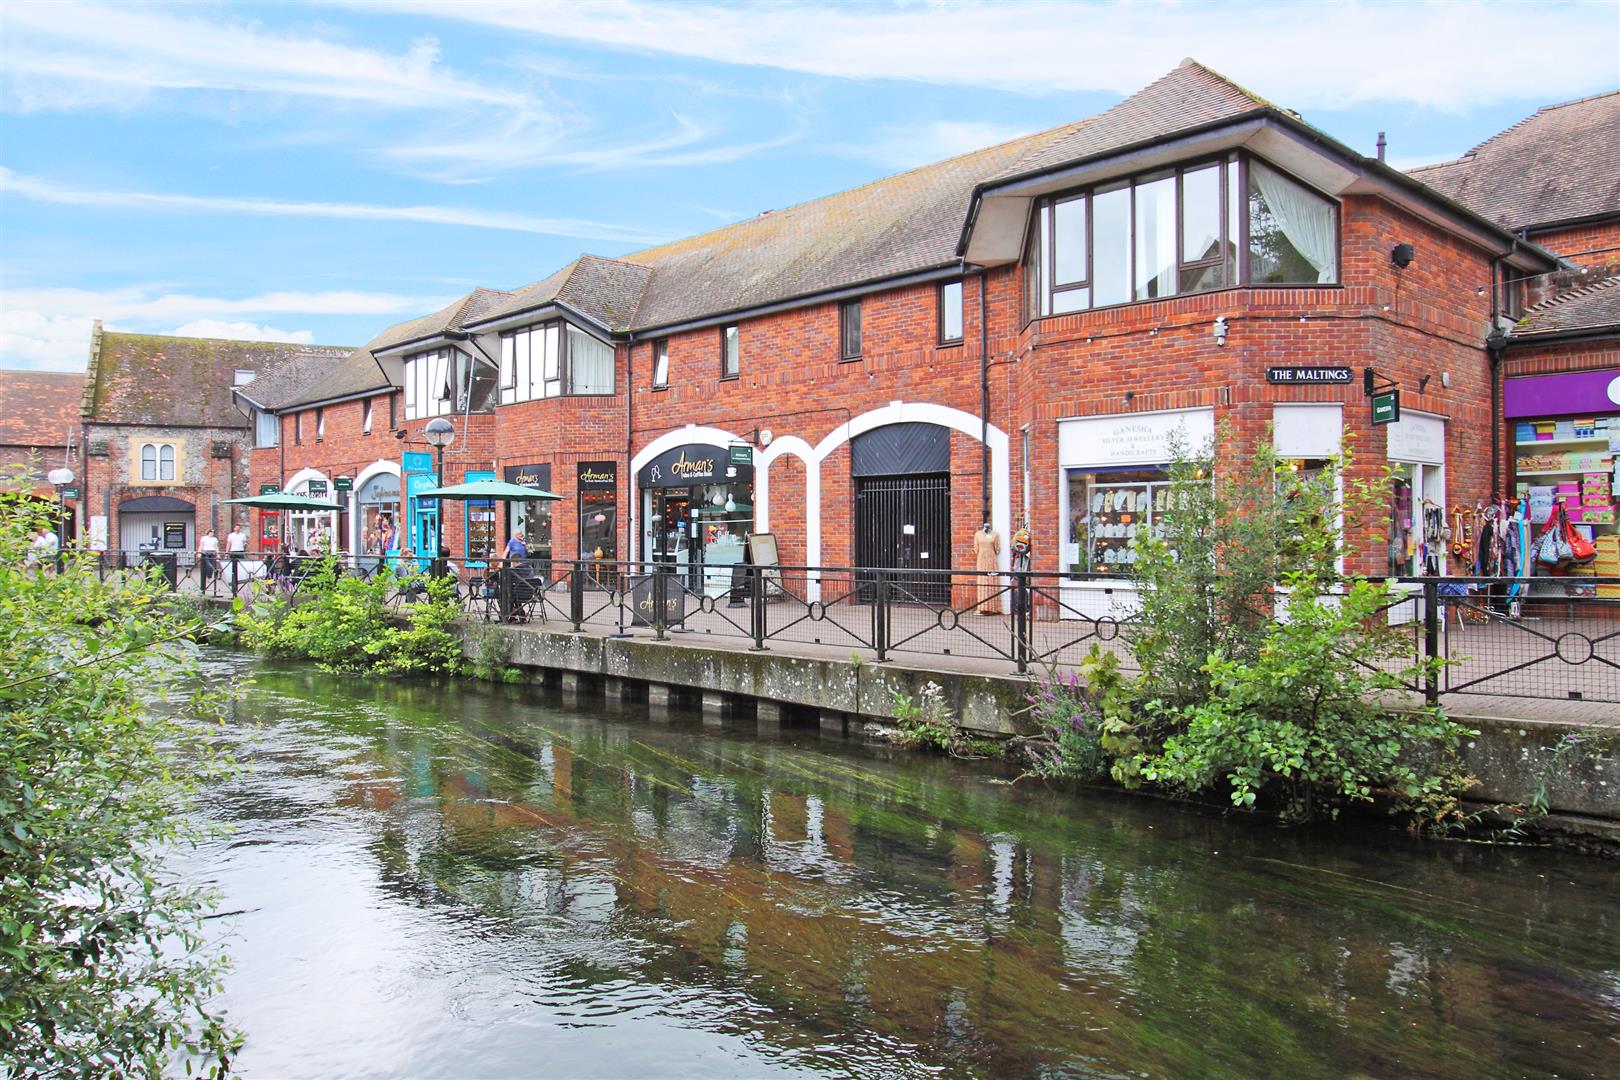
(1327, 55)
(64, 54)
(451, 127)
(39, 189)
(48, 329)
(908, 146)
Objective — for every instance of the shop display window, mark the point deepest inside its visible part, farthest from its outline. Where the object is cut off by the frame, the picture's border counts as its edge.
(598, 525)
(1107, 510)
(534, 518)
(1417, 520)
(1569, 461)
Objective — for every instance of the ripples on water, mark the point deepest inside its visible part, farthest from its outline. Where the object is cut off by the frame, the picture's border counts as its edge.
(472, 881)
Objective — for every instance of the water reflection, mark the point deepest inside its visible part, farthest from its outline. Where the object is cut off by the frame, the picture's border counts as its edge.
(472, 882)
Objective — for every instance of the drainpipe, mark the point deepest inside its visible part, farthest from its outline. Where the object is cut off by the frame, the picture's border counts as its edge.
(632, 496)
(984, 400)
(1495, 345)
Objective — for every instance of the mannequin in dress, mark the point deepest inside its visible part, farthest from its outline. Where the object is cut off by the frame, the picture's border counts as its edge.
(986, 547)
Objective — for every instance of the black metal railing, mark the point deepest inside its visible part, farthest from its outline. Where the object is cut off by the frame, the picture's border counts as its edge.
(1547, 637)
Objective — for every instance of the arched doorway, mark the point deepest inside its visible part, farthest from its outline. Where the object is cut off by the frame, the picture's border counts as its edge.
(902, 475)
(156, 523)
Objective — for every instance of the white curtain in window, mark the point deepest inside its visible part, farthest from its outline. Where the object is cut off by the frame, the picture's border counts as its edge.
(1305, 219)
(590, 363)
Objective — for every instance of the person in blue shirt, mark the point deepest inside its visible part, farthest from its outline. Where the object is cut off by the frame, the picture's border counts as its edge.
(516, 549)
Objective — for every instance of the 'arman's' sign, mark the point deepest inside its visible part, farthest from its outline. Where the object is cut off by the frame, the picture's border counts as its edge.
(693, 463)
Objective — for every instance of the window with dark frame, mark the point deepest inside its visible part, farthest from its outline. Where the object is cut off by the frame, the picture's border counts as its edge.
(660, 363)
(849, 330)
(730, 351)
(950, 312)
(393, 411)
(1208, 225)
(320, 425)
(298, 429)
(366, 408)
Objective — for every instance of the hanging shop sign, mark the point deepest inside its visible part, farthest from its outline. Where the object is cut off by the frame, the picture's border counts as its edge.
(269, 489)
(742, 455)
(1418, 439)
(1310, 376)
(597, 475)
(343, 483)
(693, 463)
(1386, 407)
(316, 489)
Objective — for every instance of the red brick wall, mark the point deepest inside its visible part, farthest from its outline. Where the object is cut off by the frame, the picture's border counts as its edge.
(1594, 246)
(1424, 320)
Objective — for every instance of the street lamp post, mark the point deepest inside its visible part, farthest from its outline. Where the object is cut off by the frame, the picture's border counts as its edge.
(60, 479)
(439, 433)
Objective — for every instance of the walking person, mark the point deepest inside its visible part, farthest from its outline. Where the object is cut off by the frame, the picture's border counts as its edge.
(208, 550)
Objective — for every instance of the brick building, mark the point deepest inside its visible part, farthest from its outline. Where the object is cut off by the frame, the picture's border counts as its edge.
(164, 443)
(1011, 336)
(1554, 178)
(39, 425)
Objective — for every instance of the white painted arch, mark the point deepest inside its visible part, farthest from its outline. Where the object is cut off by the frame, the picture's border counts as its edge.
(296, 484)
(896, 412)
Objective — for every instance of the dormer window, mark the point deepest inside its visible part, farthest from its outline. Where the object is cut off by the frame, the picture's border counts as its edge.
(1206, 226)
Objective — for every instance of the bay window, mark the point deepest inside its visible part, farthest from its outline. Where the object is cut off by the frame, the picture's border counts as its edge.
(1196, 228)
(553, 360)
(447, 381)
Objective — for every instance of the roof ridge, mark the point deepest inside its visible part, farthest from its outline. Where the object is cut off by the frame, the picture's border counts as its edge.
(1541, 111)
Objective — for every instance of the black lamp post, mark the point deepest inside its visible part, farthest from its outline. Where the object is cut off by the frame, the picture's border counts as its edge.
(60, 479)
(439, 433)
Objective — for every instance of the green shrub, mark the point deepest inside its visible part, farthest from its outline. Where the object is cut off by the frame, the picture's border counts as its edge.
(102, 967)
(426, 645)
(1262, 667)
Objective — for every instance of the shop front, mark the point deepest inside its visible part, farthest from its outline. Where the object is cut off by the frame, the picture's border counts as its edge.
(697, 506)
(1416, 453)
(311, 532)
(1114, 480)
(156, 523)
(478, 523)
(377, 515)
(534, 518)
(1565, 434)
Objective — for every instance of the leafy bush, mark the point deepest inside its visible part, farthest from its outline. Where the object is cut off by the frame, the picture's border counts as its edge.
(344, 624)
(102, 968)
(1308, 716)
(1262, 667)
(489, 654)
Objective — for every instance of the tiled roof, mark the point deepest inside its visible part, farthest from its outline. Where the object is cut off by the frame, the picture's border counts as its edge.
(309, 379)
(1591, 307)
(151, 379)
(1189, 97)
(453, 316)
(902, 224)
(606, 290)
(1561, 164)
(39, 408)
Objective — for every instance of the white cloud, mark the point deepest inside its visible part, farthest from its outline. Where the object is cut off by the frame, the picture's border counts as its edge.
(48, 329)
(1321, 55)
(62, 55)
(40, 189)
(241, 331)
(908, 146)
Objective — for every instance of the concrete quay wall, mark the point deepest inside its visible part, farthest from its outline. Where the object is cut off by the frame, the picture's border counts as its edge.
(1572, 767)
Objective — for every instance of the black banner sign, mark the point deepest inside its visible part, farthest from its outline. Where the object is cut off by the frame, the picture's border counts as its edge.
(598, 476)
(693, 463)
(643, 601)
(535, 476)
(1310, 376)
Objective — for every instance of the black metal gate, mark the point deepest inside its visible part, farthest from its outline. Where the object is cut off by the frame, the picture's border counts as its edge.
(904, 522)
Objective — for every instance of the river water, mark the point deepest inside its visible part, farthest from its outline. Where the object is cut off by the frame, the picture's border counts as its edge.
(480, 882)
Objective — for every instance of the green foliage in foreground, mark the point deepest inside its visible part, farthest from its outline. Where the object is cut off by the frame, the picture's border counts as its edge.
(102, 969)
(343, 623)
(1266, 675)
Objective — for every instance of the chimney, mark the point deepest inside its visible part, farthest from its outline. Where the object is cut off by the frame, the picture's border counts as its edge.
(1381, 145)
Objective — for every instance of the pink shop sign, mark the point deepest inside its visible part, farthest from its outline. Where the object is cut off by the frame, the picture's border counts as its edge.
(1595, 392)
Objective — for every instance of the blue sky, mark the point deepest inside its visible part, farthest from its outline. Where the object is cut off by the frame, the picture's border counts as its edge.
(315, 172)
